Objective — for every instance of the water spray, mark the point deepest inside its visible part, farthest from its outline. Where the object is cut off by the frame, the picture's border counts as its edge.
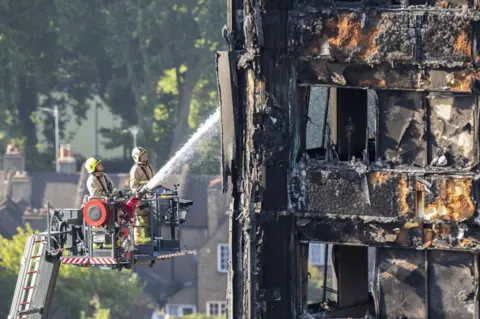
(206, 130)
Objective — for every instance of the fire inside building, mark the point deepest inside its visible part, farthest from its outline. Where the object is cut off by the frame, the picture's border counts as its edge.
(384, 160)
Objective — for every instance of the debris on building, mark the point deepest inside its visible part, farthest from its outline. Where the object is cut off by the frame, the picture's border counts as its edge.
(395, 162)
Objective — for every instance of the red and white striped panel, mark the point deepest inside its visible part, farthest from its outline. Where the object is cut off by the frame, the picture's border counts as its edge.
(74, 260)
(103, 261)
(182, 253)
(88, 261)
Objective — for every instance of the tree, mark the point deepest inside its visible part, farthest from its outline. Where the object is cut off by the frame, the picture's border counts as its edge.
(153, 63)
(100, 313)
(165, 49)
(37, 61)
(315, 283)
(208, 157)
(78, 289)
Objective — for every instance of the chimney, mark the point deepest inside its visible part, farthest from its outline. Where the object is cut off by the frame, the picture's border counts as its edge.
(215, 206)
(21, 188)
(66, 161)
(13, 160)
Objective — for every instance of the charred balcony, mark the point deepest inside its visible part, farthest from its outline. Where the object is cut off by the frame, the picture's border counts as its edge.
(387, 167)
(384, 49)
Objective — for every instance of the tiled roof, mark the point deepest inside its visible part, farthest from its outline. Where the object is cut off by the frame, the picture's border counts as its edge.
(58, 188)
(196, 190)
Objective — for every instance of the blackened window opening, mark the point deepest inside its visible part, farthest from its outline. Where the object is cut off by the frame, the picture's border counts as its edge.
(341, 122)
(352, 123)
(418, 2)
(476, 43)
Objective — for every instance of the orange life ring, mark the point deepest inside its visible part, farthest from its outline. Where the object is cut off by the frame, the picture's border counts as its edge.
(96, 212)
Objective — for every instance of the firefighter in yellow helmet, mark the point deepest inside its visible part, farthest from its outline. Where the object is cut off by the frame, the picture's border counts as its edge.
(99, 184)
(140, 174)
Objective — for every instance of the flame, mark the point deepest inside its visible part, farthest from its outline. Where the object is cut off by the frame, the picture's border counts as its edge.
(463, 45)
(349, 35)
(442, 4)
(461, 81)
(402, 191)
(453, 202)
(373, 83)
(378, 178)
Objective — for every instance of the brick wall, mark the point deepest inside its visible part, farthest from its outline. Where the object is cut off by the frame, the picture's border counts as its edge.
(212, 284)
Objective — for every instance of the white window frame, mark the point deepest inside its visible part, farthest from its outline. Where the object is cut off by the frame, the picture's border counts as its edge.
(181, 308)
(219, 304)
(220, 267)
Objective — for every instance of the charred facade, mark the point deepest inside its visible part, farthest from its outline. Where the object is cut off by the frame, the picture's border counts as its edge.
(394, 164)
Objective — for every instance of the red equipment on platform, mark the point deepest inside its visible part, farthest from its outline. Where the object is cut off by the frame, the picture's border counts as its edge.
(131, 205)
(97, 213)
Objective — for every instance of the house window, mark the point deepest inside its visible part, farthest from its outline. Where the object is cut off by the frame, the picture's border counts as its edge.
(216, 308)
(180, 310)
(222, 258)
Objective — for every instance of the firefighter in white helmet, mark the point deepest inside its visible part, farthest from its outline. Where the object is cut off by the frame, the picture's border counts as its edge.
(141, 171)
(99, 184)
(140, 174)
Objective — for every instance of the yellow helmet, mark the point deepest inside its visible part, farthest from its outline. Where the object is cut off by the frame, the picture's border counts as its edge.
(91, 164)
(137, 152)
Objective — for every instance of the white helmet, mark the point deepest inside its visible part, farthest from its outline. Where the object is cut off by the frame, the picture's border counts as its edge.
(137, 152)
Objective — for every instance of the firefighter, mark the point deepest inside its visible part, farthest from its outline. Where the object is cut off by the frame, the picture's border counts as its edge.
(140, 174)
(99, 184)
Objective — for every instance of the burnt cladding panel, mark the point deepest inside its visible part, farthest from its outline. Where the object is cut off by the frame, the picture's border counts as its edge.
(452, 285)
(383, 76)
(226, 92)
(402, 127)
(347, 37)
(351, 268)
(401, 283)
(452, 42)
(274, 35)
(274, 286)
(347, 192)
(341, 192)
(279, 76)
(452, 128)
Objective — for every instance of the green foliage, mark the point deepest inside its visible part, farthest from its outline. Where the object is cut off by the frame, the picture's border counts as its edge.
(80, 292)
(208, 157)
(100, 313)
(170, 86)
(151, 61)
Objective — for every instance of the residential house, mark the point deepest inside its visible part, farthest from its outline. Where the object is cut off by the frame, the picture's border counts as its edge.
(207, 294)
(14, 191)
